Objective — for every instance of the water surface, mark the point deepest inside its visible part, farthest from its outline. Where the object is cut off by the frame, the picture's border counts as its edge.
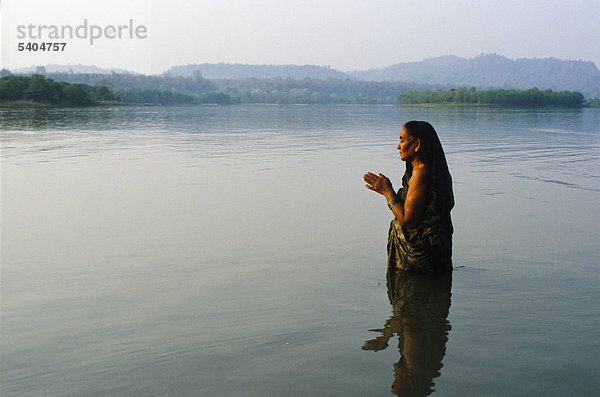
(217, 251)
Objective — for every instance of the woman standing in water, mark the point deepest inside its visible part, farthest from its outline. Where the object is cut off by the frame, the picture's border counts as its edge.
(420, 236)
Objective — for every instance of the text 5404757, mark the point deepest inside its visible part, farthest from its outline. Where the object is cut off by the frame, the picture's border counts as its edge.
(43, 46)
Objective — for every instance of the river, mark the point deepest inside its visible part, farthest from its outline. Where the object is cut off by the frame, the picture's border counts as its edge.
(233, 250)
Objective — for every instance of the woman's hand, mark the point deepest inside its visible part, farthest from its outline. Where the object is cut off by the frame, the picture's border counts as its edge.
(380, 184)
(410, 211)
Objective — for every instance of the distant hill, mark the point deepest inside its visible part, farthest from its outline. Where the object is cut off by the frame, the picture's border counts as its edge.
(494, 71)
(55, 68)
(244, 71)
(489, 71)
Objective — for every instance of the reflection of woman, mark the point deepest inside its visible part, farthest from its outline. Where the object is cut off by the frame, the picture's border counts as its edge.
(420, 236)
(420, 310)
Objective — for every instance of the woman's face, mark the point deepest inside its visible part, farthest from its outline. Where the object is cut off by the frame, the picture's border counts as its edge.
(407, 145)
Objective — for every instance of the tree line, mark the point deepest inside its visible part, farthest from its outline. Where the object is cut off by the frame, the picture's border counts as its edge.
(37, 88)
(90, 89)
(312, 91)
(135, 88)
(530, 97)
(166, 97)
(167, 89)
(40, 89)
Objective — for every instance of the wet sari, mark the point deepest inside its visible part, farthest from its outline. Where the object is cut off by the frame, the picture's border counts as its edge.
(426, 248)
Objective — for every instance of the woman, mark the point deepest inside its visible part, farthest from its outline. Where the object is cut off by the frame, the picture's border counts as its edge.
(420, 236)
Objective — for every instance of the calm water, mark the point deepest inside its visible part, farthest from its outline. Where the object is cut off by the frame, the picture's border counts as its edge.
(216, 251)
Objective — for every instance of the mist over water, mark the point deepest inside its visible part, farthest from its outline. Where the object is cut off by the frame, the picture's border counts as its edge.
(235, 251)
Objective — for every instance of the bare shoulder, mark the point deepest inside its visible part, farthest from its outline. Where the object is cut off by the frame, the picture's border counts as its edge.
(419, 176)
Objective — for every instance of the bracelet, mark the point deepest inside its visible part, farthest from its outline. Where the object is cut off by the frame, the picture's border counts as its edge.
(393, 202)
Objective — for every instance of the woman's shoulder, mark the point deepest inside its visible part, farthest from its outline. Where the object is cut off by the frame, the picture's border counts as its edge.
(419, 176)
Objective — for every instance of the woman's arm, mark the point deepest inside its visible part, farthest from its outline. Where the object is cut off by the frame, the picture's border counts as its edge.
(411, 212)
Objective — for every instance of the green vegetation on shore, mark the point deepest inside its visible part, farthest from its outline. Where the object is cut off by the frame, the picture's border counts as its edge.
(311, 91)
(22, 90)
(58, 89)
(163, 90)
(165, 97)
(592, 103)
(530, 97)
(37, 90)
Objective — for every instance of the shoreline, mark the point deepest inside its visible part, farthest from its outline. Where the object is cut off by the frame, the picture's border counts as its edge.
(494, 105)
(33, 104)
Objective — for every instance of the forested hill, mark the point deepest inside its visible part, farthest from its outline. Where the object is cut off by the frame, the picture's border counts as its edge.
(244, 71)
(483, 72)
(494, 71)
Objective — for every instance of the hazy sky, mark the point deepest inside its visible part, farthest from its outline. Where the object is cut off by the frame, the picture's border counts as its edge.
(346, 35)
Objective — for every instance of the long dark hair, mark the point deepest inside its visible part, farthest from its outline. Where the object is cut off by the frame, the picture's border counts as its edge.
(432, 155)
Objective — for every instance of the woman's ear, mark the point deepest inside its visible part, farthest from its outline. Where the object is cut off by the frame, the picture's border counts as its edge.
(417, 145)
